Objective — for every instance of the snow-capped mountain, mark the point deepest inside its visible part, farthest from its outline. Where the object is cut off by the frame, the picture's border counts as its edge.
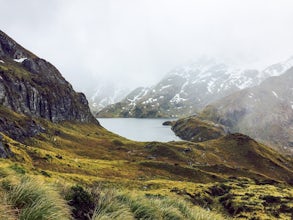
(106, 94)
(189, 88)
(278, 68)
(264, 112)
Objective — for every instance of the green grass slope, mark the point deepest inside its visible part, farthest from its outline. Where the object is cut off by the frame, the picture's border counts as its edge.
(86, 154)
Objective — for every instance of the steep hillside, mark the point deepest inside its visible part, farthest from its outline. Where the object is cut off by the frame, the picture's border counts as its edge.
(34, 87)
(264, 112)
(188, 89)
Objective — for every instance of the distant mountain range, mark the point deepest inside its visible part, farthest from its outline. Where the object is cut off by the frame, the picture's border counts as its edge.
(188, 89)
(264, 112)
(106, 93)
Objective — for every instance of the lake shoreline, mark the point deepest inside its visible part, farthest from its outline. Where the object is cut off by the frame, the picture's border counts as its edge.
(140, 129)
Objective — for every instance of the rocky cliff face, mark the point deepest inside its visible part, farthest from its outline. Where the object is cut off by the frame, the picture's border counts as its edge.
(34, 87)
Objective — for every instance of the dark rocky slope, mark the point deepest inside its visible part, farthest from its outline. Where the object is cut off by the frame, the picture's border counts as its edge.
(33, 87)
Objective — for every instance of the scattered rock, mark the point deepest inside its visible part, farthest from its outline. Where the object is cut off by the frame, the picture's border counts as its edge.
(151, 157)
(187, 150)
(168, 123)
(5, 152)
(59, 157)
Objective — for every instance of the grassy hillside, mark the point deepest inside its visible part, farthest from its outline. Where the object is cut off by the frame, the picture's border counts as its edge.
(204, 174)
(196, 130)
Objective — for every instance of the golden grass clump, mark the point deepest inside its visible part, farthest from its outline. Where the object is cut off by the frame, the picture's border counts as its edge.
(35, 200)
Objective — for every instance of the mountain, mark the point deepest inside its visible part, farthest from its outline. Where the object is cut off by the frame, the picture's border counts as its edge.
(264, 112)
(47, 135)
(127, 107)
(32, 86)
(104, 94)
(188, 89)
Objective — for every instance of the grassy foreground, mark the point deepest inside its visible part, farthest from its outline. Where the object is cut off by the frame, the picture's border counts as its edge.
(82, 171)
(29, 198)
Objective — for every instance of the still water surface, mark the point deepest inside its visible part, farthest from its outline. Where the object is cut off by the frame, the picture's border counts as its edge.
(140, 129)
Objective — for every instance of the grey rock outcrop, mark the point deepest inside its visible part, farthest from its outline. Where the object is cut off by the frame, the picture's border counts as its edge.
(32, 86)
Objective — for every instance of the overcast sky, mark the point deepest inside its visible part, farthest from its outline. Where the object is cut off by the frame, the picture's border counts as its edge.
(135, 42)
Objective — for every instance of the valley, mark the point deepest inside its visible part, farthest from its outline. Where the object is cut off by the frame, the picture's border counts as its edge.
(50, 142)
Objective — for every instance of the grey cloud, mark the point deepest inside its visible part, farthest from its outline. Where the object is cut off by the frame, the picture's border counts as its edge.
(135, 42)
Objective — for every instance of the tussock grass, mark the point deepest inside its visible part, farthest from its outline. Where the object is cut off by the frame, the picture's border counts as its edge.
(117, 205)
(109, 207)
(141, 208)
(86, 155)
(35, 201)
(130, 205)
(6, 211)
(188, 212)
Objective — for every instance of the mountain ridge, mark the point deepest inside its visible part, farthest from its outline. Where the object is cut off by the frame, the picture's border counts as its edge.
(33, 86)
(264, 112)
(188, 89)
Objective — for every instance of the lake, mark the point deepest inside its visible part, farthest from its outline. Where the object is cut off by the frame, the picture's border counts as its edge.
(140, 129)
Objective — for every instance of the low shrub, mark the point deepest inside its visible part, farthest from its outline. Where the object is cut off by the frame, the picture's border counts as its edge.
(82, 202)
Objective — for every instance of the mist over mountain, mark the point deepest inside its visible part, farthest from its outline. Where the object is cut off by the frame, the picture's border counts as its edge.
(264, 112)
(136, 43)
(189, 88)
(58, 162)
(106, 93)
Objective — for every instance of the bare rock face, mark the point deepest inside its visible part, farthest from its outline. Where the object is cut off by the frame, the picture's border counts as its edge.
(34, 87)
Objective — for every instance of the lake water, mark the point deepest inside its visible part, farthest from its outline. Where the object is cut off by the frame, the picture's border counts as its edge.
(140, 129)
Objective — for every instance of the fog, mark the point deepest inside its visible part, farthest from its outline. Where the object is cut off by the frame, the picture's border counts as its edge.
(135, 42)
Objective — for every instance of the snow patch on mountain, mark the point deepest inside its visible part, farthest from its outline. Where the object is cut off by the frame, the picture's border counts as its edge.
(191, 87)
(275, 94)
(177, 99)
(165, 87)
(20, 60)
(106, 94)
